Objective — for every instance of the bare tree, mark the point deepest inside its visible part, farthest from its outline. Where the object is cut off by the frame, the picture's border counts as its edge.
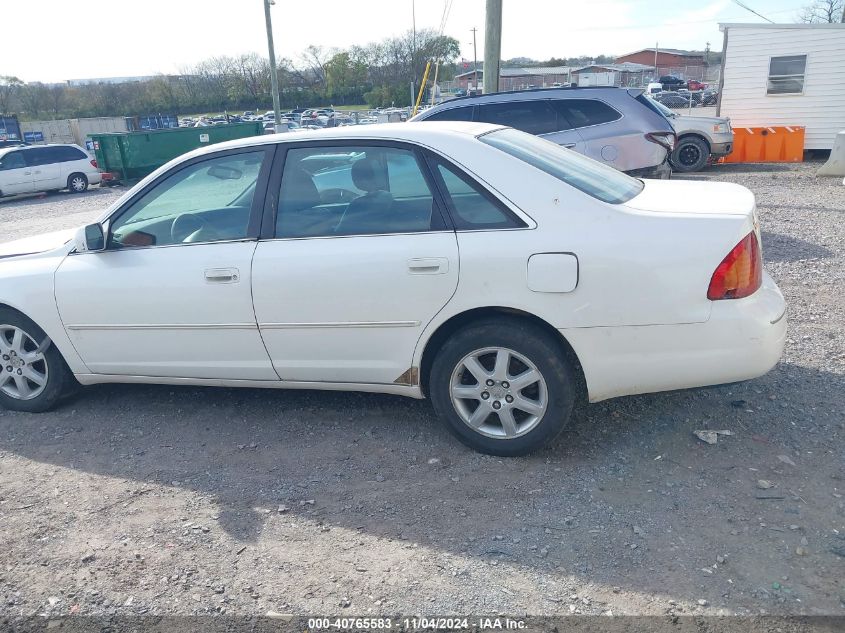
(9, 89)
(823, 12)
(34, 98)
(56, 98)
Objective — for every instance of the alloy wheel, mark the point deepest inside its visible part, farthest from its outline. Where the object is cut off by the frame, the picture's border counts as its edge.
(24, 372)
(77, 183)
(498, 392)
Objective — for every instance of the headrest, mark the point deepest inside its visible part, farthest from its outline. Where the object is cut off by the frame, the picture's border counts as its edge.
(368, 175)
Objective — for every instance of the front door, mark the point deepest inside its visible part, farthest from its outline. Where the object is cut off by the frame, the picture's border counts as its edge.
(15, 174)
(361, 261)
(171, 294)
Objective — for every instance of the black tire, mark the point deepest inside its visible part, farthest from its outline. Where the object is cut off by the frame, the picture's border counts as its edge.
(59, 380)
(690, 154)
(77, 183)
(535, 345)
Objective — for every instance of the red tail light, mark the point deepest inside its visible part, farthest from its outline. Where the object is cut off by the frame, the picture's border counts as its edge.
(94, 163)
(740, 274)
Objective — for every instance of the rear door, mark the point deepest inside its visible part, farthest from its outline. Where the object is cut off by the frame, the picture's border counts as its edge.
(537, 116)
(15, 174)
(592, 119)
(46, 170)
(360, 259)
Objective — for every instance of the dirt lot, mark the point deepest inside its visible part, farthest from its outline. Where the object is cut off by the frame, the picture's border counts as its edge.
(133, 499)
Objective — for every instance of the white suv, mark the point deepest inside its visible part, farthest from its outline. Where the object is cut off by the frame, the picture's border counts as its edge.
(30, 169)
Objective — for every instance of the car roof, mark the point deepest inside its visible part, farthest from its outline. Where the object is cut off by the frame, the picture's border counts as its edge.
(537, 93)
(423, 133)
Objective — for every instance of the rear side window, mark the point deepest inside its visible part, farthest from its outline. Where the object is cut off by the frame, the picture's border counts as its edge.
(472, 207)
(585, 174)
(586, 112)
(452, 114)
(534, 117)
(68, 153)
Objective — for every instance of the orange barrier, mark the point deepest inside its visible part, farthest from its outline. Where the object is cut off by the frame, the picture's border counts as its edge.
(773, 144)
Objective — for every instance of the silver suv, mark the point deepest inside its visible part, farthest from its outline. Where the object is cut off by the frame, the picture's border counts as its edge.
(613, 125)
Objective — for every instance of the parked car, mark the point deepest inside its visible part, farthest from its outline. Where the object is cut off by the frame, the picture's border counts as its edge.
(52, 167)
(612, 125)
(700, 139)
(693, 84)
(672, 100)
(709, 97)
(10, 143)
(484, 268)
(670, 82)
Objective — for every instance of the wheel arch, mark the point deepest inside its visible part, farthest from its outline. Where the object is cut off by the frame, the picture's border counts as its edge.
(60, 342)
(467, 317)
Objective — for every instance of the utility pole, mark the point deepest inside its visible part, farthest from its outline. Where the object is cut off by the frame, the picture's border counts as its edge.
(656, 72)
(492, 46)
(413, 48)
(274, 72)
(474, 60)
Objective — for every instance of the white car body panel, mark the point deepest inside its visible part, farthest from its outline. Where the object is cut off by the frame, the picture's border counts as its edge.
(347, 313)
(153, 311)
(351, 309)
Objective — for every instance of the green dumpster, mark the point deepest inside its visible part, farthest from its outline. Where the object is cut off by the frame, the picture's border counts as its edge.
(133, 155)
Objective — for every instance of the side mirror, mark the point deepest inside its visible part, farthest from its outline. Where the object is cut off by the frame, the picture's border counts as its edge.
(90, 238)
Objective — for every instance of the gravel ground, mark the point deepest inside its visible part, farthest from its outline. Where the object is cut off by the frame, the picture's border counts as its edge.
(162, 500)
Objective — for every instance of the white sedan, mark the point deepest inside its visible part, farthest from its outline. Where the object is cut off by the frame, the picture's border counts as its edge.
(496, 273)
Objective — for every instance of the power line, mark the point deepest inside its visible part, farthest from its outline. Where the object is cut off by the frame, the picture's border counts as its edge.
(747, 8)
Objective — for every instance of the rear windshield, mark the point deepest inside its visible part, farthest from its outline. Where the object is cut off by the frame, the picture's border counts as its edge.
(590, 176)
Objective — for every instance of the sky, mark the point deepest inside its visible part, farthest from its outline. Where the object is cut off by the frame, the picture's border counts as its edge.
(56, 40)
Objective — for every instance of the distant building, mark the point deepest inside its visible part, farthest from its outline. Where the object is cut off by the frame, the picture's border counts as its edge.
(518, 78)
(666, 57)
(785, 74)
(108, 80)
(627, 74)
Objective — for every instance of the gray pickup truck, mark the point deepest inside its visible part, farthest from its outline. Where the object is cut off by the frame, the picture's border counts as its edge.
(699, 138)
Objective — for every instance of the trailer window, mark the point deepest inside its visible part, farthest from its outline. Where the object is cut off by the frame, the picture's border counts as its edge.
(786, 74)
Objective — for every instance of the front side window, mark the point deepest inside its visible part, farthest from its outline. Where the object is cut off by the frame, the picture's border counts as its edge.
(208, 201)
(339, 191)
(786, 75)
(12, 160)
(471, 206)
(534, 117)
(585, 174)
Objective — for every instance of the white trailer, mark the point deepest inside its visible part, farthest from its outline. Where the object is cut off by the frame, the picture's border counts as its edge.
(785, 74)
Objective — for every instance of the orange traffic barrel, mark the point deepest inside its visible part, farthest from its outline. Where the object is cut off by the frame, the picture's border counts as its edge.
(769, 144)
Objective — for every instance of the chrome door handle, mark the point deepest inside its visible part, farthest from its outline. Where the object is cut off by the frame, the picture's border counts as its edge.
(222, 275)
(428, 266)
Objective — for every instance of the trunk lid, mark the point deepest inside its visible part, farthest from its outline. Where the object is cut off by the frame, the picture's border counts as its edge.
(687, 197)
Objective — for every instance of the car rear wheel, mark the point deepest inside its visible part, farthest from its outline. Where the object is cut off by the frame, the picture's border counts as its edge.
(502, 387)
(33, 375)
(77, 183)
(690, 154)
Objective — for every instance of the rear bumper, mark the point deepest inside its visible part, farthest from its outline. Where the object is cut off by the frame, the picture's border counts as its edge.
(94, 177)
(663, 171)
(742, 339)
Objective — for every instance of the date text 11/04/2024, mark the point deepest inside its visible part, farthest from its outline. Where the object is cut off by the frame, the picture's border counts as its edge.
(417, 623)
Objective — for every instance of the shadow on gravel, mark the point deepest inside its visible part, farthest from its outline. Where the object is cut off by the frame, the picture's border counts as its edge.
(384, 466)
(37, 199)
(784, 248)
